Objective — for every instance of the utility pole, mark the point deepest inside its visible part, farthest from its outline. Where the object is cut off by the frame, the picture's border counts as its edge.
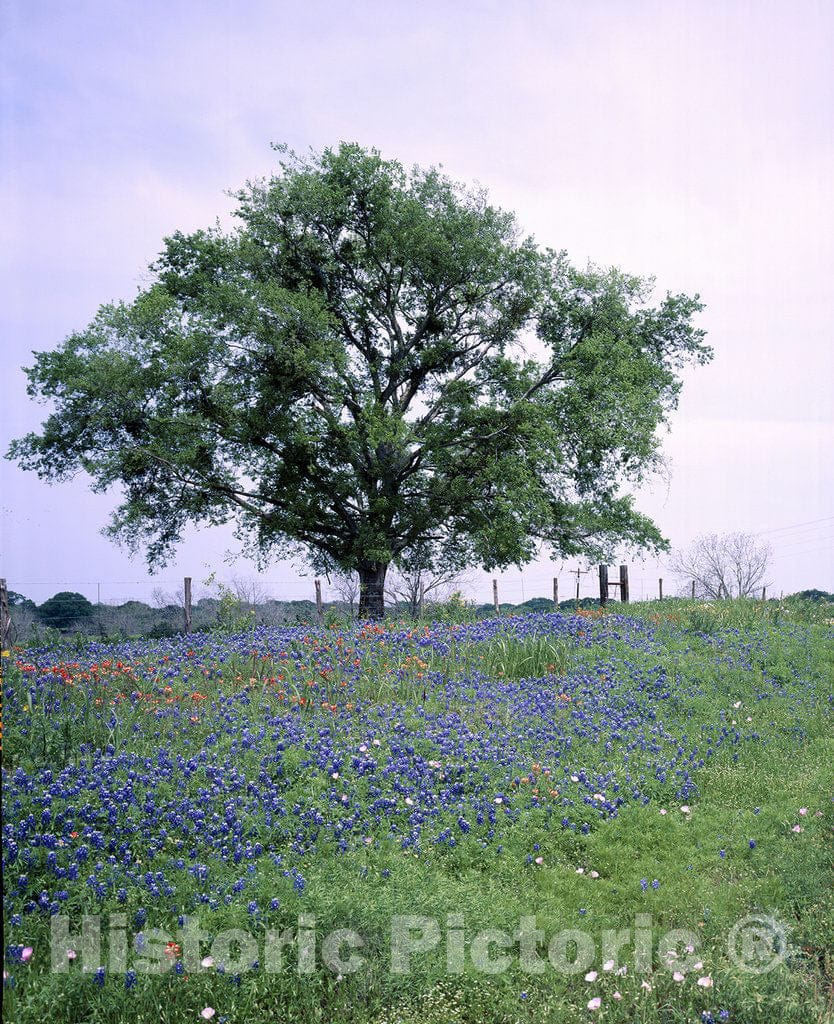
(579, 572)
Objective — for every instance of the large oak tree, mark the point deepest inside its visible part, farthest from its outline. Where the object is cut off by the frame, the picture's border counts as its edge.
(374, 367)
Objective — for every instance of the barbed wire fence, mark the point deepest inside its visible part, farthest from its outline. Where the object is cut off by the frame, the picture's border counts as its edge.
(175, 604)
(512, 589)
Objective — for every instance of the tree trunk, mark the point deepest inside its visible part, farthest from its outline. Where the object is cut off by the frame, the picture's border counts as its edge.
(372, 590)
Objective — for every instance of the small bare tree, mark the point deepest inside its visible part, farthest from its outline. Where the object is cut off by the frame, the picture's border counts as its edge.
(249, 592)
(724, 565)
(162, 598)
(346, 586)
(410, 586)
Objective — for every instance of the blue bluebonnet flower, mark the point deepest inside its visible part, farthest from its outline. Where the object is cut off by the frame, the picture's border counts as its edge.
(329, 778)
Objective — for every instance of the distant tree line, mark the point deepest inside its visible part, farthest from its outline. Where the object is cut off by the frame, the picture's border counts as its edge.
(818, 596)
(71, 613)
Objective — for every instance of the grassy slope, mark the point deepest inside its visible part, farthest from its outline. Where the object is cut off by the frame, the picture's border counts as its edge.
(756, 797)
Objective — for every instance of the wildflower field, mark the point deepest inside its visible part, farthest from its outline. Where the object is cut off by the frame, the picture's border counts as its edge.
(511, 792)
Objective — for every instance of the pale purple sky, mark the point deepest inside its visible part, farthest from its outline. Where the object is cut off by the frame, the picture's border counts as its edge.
(691, 141)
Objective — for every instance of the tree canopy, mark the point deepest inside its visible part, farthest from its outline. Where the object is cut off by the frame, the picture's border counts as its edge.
(65, 609)
(374, 366)
(815, 595)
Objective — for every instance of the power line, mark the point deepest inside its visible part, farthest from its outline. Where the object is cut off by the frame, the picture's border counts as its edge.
(808, 551)
(794, 526)
(805, 534)
(805, 540)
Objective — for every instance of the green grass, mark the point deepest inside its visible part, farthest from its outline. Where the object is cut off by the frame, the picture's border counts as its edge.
(787, 875)
(709, 875)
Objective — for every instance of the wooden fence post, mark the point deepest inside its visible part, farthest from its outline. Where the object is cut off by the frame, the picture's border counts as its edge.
(603, 585)
(187, 604)
(764, 592)
(495, 596)
(660, 587)
(624, 595)
(319, 608)
(5, 616)
(555, 594)
(693, 590)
